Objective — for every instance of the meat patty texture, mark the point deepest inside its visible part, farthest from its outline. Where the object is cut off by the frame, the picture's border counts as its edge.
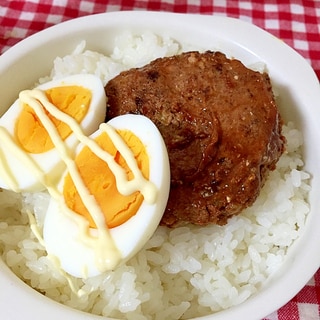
(221, 126)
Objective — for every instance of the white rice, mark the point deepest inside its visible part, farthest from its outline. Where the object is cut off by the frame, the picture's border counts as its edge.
(181, 273)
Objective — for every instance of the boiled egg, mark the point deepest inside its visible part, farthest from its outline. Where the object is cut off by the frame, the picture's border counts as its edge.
(41, 120)
(110, 204)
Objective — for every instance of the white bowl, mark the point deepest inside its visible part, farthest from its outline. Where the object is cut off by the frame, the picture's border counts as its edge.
(298, 86)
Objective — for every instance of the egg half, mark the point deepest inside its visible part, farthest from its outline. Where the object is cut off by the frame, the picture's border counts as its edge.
(41, 118)
(108, 207)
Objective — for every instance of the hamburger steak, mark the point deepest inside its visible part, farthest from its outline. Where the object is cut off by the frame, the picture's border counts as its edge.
(221, 126)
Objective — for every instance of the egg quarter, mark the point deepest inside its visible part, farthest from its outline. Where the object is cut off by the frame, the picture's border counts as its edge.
(19, 173)
(106, 246)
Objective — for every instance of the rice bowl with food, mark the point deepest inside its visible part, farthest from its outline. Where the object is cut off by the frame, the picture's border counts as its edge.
(189, 271)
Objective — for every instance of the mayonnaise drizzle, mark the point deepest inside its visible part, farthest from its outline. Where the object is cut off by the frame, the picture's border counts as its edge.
(19, 153)
(37, 233)
(106, 253)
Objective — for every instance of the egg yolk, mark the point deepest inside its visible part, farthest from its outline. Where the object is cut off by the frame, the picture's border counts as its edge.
(101, 182)
(32, 135)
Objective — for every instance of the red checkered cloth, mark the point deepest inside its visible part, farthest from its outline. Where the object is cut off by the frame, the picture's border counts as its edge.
(296, 22)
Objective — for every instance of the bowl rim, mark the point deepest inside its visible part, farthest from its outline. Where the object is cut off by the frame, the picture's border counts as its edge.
(265, 47)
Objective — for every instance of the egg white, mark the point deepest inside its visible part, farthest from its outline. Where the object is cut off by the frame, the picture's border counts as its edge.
(61, 233)
(49, 162)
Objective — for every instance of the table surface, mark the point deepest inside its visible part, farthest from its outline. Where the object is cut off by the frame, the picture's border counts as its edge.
(296, 22)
